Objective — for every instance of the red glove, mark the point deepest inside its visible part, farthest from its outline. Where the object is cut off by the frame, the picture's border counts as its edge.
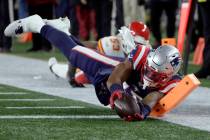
(115, 95)
(74, 83)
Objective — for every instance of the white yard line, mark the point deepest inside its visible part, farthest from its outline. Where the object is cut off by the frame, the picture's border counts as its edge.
(13, 93)
(59, 117)
(26, 100)
(45, 107)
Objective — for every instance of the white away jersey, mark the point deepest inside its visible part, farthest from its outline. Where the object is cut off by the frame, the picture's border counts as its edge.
(110, 46)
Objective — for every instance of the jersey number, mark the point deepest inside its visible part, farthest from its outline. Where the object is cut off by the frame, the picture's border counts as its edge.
(115, 44)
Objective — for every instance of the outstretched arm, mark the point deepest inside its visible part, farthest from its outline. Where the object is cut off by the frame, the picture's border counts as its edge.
(116, 79)
(120, 73)
(152, 98)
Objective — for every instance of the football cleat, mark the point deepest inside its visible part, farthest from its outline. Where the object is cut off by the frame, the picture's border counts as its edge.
(32, 23)
(59, 70)
(62, 24)
(52, 61)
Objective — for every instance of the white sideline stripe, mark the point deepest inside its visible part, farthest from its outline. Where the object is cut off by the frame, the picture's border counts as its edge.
(25, 100)
(12, 93)
(59, 117)
(45, 107)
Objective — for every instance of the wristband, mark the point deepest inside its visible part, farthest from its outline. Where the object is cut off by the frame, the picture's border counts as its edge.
(115, 87)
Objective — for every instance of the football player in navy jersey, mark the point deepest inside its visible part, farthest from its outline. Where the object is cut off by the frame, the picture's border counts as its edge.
(149, 73)
(110, 46)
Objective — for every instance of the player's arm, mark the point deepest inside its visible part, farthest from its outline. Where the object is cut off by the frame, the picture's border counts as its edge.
(115, 80)
(120, 73)
(152, 98)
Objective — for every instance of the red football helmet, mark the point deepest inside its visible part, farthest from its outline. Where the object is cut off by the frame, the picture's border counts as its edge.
(140, 31)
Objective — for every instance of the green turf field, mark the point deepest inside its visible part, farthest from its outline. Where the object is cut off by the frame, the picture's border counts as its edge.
(81, 121)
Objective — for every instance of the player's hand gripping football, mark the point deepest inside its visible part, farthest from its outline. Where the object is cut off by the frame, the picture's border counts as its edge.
(127, 107)
(115, 95)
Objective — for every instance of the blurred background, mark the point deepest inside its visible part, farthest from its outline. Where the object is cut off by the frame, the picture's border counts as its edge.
(94, 19)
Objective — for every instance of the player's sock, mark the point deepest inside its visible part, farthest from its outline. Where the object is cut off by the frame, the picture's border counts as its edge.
(59, 39)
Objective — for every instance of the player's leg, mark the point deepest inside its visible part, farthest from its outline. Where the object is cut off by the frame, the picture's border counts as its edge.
(62, 24)
(36, 24)
(86, 59)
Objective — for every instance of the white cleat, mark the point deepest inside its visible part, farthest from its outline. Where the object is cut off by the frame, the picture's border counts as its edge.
(59, 70)
(52, 61)
(30, 24)
(62, 24)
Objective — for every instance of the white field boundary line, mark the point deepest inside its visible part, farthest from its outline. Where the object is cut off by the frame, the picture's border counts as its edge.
(26, 100)
(60, 117)
(46, 107)
(13, 93)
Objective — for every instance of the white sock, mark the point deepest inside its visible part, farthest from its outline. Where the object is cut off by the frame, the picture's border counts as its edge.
(33, 23)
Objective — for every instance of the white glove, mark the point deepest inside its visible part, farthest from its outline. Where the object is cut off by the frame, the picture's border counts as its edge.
(128, 43)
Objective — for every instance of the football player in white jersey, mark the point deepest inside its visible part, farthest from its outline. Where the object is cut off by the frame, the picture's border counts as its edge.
(113, 46)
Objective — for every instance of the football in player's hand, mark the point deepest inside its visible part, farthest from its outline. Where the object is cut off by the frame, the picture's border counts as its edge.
(126, 106)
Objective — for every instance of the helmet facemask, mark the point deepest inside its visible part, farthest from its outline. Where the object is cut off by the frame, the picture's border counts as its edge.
(153, 78)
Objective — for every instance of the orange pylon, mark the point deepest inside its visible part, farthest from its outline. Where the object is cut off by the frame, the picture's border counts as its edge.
(198, 54)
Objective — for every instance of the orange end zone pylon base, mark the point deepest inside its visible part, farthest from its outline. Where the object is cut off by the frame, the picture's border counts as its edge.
(175, 96)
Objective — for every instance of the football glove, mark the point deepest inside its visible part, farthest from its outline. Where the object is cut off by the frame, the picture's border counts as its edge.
(115, 95)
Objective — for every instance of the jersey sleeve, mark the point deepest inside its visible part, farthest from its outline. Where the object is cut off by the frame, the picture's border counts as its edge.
(138, 56)
(170, 84)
